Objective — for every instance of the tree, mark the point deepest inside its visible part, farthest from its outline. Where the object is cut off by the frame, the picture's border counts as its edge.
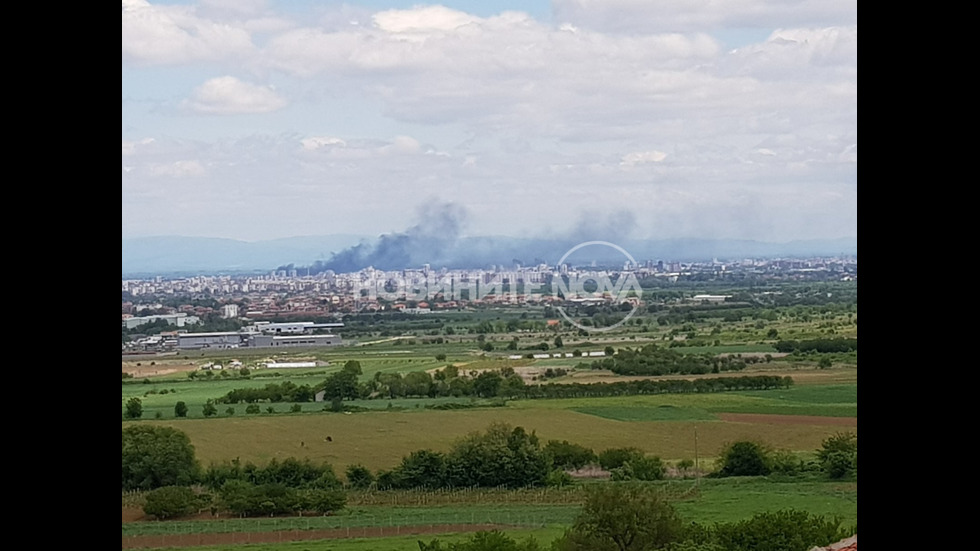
(641, 468)
(558, 342)
(565, 455)
(322, 501)
(623, 517)
(503, 456)
(343, 384)
(421, 469)
(487, 384)
(134, 408)
(153, 457)
(180, 410)
(210, 409)
(613, 458)
(359, 476)
(745, 458)
(838, 454)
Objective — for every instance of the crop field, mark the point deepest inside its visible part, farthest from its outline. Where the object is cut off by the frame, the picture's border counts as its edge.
(662, 425)
(706, 501)
(378, 433)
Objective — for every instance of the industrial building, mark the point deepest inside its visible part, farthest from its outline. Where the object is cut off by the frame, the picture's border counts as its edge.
(264, 335)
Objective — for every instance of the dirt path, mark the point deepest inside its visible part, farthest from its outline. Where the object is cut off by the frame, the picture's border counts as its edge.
(238, 538)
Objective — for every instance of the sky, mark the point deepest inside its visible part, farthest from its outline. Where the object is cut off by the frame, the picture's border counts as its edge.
(262, 119)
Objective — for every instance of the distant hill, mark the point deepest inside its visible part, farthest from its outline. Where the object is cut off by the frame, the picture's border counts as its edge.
(171, 254)
(185, 255)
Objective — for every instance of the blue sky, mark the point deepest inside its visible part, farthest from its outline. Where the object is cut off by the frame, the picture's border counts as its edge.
(254, 120)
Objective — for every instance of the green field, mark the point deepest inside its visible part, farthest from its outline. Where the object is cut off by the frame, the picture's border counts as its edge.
(706, 502)
(662, 425)
(379, 433)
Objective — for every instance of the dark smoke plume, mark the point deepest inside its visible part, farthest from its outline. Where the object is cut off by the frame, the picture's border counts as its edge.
(431, 241)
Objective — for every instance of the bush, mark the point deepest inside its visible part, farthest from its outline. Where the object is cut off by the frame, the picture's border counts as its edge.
(614, 458)
(622, 516)
(558, 479)
(565, 455)
(838, 455)
(173, 501)
(785, 530)
(180, 409)
(322, 501)
(252, 408)
(641, 468)
(745, 458)
(483, 541)
(246, 499)
(134, 408)
(359, 476)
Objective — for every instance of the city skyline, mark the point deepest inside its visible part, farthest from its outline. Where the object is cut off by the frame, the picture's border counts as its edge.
(262, 120)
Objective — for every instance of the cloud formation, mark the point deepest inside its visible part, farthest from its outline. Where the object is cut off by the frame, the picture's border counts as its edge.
(229, 96)
(348, 117)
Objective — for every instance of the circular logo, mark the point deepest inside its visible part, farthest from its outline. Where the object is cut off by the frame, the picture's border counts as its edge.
(618, 290)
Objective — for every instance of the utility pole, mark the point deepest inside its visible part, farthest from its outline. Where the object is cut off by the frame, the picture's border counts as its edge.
(697, 464)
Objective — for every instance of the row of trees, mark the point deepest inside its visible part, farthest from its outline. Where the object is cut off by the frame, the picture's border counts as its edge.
(837, 458)
(505, 456)
(504, 383)
(243, 499)
(817, 345)
(654, 360)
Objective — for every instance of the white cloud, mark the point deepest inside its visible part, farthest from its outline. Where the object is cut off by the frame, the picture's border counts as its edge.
(178, 169)
(642, 157)
(653, 16)
(316, 142)
(422, 19)
(501, 108)
(153, 34)
(229, 96)
(130, 148)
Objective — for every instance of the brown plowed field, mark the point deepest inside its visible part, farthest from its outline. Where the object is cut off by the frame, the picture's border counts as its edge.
(239, 538)
(763, 419)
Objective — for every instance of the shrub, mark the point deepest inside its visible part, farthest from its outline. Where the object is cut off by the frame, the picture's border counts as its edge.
(745, 458)
(359, 476)
(622, 516)
(641, 468)
(785, 530)
(322, 501)
(558, 479)
(565, 455)
(134, 408)
(838, 455)
(613, 458)
(173, 501)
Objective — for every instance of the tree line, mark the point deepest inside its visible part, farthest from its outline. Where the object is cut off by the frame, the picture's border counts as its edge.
(817, 345)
